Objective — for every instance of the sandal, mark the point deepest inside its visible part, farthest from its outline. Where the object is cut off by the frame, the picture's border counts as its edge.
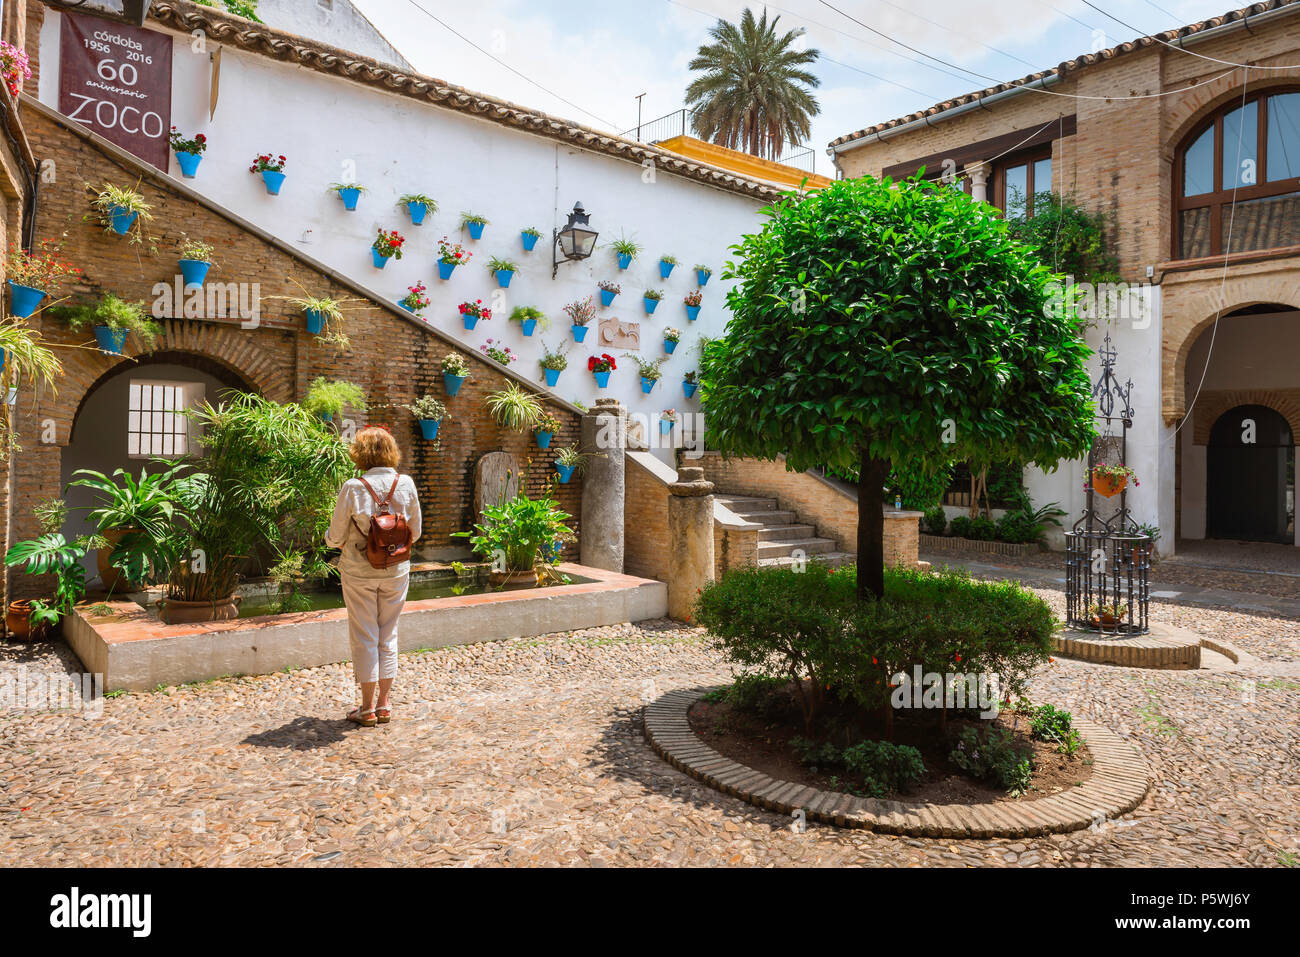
(383, 715)
(357, 716)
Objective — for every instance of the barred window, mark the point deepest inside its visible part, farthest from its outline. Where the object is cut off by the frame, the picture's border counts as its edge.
(156, 423)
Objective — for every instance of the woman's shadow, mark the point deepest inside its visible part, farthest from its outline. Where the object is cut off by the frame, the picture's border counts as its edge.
(302, 734)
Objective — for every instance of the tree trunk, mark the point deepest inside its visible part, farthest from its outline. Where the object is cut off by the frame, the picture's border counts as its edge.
(872, 473)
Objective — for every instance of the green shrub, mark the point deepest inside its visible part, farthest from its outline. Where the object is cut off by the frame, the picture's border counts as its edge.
(1018, 528)
(990, 754)
(936, 520)
(960, 526)
(884, 767)
(817, 754)
(917, 489)
(1049, 724)
(756, 693)
(982, 529)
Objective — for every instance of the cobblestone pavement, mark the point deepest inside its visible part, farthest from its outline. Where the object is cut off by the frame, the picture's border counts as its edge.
(530, 752)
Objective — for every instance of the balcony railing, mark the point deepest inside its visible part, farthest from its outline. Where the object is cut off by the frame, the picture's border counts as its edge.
(678, 123)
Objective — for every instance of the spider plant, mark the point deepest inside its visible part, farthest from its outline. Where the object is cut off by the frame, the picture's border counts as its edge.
(109, 200)
(514, 408)
(329, 397)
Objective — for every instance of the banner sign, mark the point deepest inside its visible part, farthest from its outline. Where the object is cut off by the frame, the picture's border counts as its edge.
(116, 80)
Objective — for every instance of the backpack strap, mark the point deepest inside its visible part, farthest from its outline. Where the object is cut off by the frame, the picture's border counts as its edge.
(381, 503)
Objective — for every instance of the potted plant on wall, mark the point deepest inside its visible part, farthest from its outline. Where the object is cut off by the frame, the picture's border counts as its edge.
(529, 236)
(272, 170)
(580, 313)
(651, 298)
(503, 269)
(626, 250)
(601, 367)
(667, 419)
(327, 398)
(474, 223)
(387, 245)
(455, 370)
(415, 301)
(472, 312)
(15, 67)
(569, 461)
(32, 275)
(528, 318)
(112, 320)
(195, 261)
(122, 211)
(348, 192)
(666, 264)
(429, 412)
(189, 152)
(650, 369)
(49, 554)
(545, 428)
(553, 362)
(692, 301)
(1110, 480)
(671, 338)
(322, 315)
(518, 530)
(417, 205)
(513, 408)
(450, 255)
(608, 290)
(690, 383)
(702, 274)
(498, 352)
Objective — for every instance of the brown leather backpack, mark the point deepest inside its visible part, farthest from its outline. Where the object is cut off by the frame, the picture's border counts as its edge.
(388, 542)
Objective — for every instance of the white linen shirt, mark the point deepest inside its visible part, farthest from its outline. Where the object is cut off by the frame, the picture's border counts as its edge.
(355, 502)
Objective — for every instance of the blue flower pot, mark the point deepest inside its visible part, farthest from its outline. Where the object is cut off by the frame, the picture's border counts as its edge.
(470, 321)
(121, 219)
(408, 308)
(189, 163)
(552, 377)
(110, 340)
(452, 383)
(23, 300)
(2, 360)
(543, 439)
(689, 388)
(693, 313)
(566, 472)
(666, 269)
(650, 306)
(273, 181)
(475, 230)
(429, 428)
(647, 384)
(579, 333)
(349, 195)
(624, 260)
(315, 321)
(669, 346)
(380, 261)
(665, 426)
(702, 277)
(194, 271)
(504, 276)
(417, 211)
(529, 241)
(528, 325)
(445, 269)
(326, 416)
(607, 297)
(602, 379)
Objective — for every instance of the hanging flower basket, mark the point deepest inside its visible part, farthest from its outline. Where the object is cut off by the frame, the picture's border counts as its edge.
(23, 300)
(429, 428)
(315, 321)
(417, 211)
(565, 471)
(189, 163)
(452, 383)
(1109, 480)
(624, 260)
(121, 218)
(601, 367)
(650, 305)
(529, 238)
(702, 274)
(110, 340)
(579, 333)
(349, 194)
(552, 376)
(666, 268)
(689, 387)
(194, 271)
(188, 151)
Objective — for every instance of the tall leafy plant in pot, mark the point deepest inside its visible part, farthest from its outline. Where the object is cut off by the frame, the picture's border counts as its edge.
(523, 530)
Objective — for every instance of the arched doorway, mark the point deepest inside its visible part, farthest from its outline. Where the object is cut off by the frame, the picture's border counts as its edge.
(132, 414)
(1250, 476)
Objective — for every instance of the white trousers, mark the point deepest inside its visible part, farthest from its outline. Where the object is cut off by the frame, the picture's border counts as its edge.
(374, 605)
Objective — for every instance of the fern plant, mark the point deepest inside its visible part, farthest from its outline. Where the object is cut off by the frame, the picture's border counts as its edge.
(514, 408)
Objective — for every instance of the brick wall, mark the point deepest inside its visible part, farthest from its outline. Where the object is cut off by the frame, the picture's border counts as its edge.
(392, 357)
(645, 516)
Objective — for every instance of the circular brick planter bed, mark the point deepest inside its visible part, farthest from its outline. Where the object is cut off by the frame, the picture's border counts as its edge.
(1164, 647)
(1119, 782)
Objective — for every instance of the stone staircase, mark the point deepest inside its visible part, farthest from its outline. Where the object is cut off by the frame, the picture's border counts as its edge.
(783, 533)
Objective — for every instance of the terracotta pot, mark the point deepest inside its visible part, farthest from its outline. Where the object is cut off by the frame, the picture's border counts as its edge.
(519, 579)
(18, 620)
(1108, 485)
(177, 612)
(112, 578)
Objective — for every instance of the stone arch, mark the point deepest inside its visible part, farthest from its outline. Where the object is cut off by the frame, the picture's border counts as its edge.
(1210, 407)
(1188, 111)
(222, 346)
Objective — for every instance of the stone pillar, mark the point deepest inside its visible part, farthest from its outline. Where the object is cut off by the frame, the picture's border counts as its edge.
(979, 182)
(604, 435)
(690, 540)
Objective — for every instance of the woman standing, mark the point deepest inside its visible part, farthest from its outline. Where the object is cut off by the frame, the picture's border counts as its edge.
(374, 581)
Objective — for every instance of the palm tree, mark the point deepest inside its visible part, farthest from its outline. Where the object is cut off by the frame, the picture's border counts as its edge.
(753, 93)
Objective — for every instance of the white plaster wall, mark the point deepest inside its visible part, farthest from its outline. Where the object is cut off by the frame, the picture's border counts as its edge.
(336, 22)
(333, 130)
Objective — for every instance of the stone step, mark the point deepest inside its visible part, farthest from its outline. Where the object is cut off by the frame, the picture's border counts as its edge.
(833, 559)
(810, 546)
(775, 516)
(780, 533)
(746, 503)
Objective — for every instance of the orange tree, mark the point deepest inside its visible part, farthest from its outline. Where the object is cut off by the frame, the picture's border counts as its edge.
(878, 324)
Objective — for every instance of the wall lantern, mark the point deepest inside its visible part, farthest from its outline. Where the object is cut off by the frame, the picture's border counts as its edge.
(575, 241)
(133, 12)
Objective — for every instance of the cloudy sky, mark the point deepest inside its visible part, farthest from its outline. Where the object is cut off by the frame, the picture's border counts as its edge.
(599, 55)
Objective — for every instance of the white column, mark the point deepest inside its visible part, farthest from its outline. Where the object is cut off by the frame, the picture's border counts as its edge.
(979, 179)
